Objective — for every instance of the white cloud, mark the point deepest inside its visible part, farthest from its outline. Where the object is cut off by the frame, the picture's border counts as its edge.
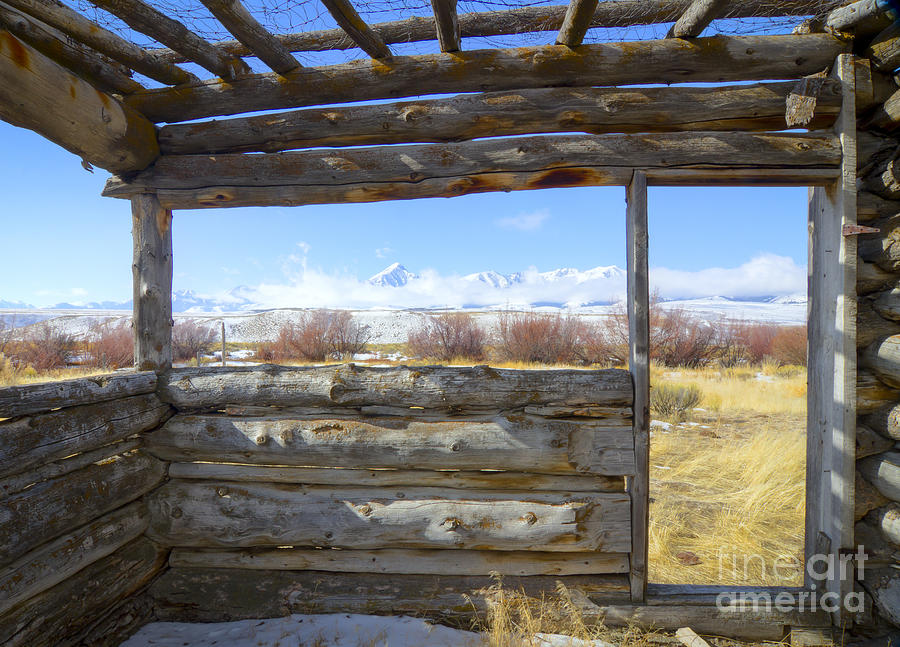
(524, 221)
(78, 292)
(764, 275)
(383, 252)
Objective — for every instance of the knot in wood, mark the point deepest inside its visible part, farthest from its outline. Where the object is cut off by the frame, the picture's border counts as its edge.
(329, 535)
(365, 509)
(222, 491)
(530, 518)
(456, 446)
(177, 513)
(452, 523)
(262, 439)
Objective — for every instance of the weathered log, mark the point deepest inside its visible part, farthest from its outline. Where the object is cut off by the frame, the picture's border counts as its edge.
(213, 594)
(518, 443)
(346, 16)
(865, 498)
(146, 19)
(870, 206)
(871, 278)
(241, 23)
(119, 623)
(883, 358)
(151, 233)
(879, 549)
(35, 398)
(887, 520)
(51, 508)
(869, 443)
(886, 420)
(887, 115)
(887, 304)
(697, 17)
(885, 180)
(58, 560)
(71, 22)
(884, 50)
(240, 515)
(861, 18)
(81, 60)
(405, 562)
(611, 415)
(460, 480)
(801, 104)
(872, 394)
(883, 471)
(871, 324)
(446, 24)
(565, 155)
(465, 117)
(30, 441)
(53, 617)
(883, 586)
(41, 95)
(576, 22)
(717, 59)
(430, 387)
(882, 248)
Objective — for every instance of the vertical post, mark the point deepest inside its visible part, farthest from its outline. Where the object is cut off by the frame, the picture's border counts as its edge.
(223, 342)
(639, 365)
(152, 283)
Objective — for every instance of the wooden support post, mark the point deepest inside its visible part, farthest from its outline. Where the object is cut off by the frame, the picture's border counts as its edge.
(697, 17)
(223, 343)
(240, 22)
(639, 364)
(362, 34)
(152, 288)
(575, 24)
(446, 24)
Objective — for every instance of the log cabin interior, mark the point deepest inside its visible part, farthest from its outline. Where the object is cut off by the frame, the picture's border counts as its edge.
(211, 494)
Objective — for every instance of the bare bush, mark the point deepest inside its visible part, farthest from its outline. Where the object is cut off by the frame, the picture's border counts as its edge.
(445, 337)
(345, 334)
(42, 347)
(111, 345)
(542, 338)
(789, 346)
(320, 335)
(190, 338)
(675, 402)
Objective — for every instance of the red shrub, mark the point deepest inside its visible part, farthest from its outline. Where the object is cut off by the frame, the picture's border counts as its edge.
(321, 335)
(111, 345)
(190, 338)
(446, 337)
(533, 337)
(789, 346)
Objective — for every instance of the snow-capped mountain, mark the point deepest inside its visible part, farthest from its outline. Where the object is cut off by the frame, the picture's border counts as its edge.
(495, 279)
(393, 276)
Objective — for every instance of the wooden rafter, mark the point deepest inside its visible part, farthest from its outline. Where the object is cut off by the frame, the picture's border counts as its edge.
(575, 24)
(83, 61)
(622, 13)
(697, 17)
(147, 20)
(359, 31)
(446, 24)
(41, 95)
(72, 23)
(719, 59)
(236, 19)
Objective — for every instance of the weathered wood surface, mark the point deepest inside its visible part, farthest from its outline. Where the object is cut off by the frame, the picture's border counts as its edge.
(518, 443)
(213, 594)
(717, 59)
(151, 232)
(119, 623)
(872, 394)
(82, 61)
(887, 304)
(346, 16)
(494, 114)
(622, 13)
(566, 156)
(866, 498)
(887, 520)
(871, 325)
(871, 278)
(803, 101)
(146, 19)
(697, 17)
(883, 359)
(869, 443)
(872, 207)
(886, 420)
(33, 440)
(81, 29)
(41, 95)
(51, 508)
(36, 398)
(241, 23)
(887, 115)
(406, 562)
(58, 560)
(883, 586)
(860, 18)
(461, 480)
(446, 24)
(883, 471)
(882, 248)
(884, 50)
(241, 515)
(884, 181)
(431, 387)
(576, 22)
(53, 617)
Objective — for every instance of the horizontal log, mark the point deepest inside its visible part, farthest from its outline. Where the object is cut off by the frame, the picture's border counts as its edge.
(30, 441)
(41, 95)
(35, 398)
(59, 614)
(242, 515)
(865, 498)
(869, 442)
(883, 359)
(883, 471)
(459, 480)
(214, 594)
(861, 18)
(886, 116)
(887, 520)
(872, 394)
(884, 50)
(882, 248)
(871, 278)
(886, 420)
(717, 59)
(883, 586)
(887, 305)
(871, 325)
(405, 562)
(872, 207)
(465, 117)
(442, 388)
(119, 624)
(697, 17)
(51, 508)
(518, 443)
(58, 560)
(564, 156)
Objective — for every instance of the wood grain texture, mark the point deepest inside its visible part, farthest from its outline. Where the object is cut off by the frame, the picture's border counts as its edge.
(460, 480)
(240, 515)
(52, 508)
(871, 324)
(406, 562)
(240, 22)
(446, 24)
(494, 114)
(36, 398)
(151, 232)
(886, 420)
(576, 22)
(697, 17)
(30, 441)
(717, 59)
(861, 18)
(431, 387)
(883, 471)
(883, 359)
(517, 443)
(872, 394)
(884, 50)
(346, 16)
(39, 94)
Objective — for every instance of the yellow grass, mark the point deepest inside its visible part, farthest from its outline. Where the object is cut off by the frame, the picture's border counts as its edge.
(10, 376)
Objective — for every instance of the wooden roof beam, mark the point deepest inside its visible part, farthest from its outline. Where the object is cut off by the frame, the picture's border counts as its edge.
(575, 24)
(236, 19)
(446, 23)
(860, 18)
(362, 34)
(83, 61)
(147, 20)
(79, 28)
(697, 18)
(41, 95)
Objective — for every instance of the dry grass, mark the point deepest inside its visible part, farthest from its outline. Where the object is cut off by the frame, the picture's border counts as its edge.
(13, 376)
